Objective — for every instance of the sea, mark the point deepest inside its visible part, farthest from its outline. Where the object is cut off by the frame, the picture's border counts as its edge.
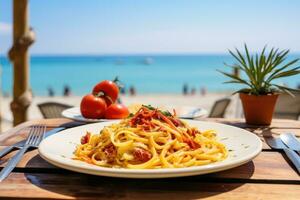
(147, 74)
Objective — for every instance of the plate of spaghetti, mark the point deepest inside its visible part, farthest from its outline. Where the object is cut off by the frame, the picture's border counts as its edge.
(150, 144)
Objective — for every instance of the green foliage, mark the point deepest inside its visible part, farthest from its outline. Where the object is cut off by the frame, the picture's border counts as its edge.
(149, 107)
(261, 70)
(164, 112)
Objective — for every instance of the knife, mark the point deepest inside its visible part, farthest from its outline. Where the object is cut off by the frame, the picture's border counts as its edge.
(294, 157)
(277, 143)
(291, 141)
(20, 144)
(191, 114)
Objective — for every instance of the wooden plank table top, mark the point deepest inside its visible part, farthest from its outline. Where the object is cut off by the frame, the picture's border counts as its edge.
(269, 176)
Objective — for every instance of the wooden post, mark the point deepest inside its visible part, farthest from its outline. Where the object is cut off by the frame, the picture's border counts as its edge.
(0, 98)
(23, 37)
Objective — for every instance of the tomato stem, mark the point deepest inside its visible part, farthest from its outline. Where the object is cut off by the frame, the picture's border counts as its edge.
(118, 82)
(99, 94)
(102, 94)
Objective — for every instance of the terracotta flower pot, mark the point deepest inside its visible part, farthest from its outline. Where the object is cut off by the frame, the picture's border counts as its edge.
(258, 110)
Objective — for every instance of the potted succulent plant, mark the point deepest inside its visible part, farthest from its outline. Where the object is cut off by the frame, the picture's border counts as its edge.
(259, 71)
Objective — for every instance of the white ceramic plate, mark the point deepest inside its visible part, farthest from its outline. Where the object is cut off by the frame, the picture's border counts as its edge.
(75, 114)
(58, 149)
(189, 112)
(186, 112)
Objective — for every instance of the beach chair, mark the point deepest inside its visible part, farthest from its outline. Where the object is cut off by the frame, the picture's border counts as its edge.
(219, 108)
(287, 107)
(52, 109)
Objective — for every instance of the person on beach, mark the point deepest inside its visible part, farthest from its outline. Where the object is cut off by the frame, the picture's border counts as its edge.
(185, 89)
(203, 91)
(50, 92)
(193, 91)
(67, 91)
(6, 94)
(122, 90)
(132, 91)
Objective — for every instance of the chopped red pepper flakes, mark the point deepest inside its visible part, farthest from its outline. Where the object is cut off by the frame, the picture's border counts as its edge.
(110, 152)
(141, 155)
(85, 139)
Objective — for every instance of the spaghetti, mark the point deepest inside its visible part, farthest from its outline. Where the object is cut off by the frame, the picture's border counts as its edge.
(150, 139)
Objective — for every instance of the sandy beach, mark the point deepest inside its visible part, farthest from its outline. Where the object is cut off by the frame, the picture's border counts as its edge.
(205, 102)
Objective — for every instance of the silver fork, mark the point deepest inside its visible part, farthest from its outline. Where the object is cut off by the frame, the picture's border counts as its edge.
(34, 138)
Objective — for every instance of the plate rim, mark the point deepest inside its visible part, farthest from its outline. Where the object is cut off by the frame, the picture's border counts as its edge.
(145, 173)
(87, 120)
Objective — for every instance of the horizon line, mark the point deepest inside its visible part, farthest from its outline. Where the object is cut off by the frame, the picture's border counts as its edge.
(131, 54)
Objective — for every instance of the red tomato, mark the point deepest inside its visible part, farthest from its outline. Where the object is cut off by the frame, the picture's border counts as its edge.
(108, 90)
(116, 111)
(92, 107)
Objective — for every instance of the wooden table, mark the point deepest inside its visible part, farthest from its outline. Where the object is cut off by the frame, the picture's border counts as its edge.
(269, 176)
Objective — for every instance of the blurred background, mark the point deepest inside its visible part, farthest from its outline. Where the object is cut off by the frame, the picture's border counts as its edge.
(162, 51)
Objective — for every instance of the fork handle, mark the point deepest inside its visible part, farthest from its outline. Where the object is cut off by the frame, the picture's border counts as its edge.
(12, 163)
(6, 150)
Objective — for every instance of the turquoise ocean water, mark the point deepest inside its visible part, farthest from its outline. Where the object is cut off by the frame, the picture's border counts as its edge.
(148, 74)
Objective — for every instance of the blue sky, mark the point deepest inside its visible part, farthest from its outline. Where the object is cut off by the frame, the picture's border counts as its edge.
(139, 27)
